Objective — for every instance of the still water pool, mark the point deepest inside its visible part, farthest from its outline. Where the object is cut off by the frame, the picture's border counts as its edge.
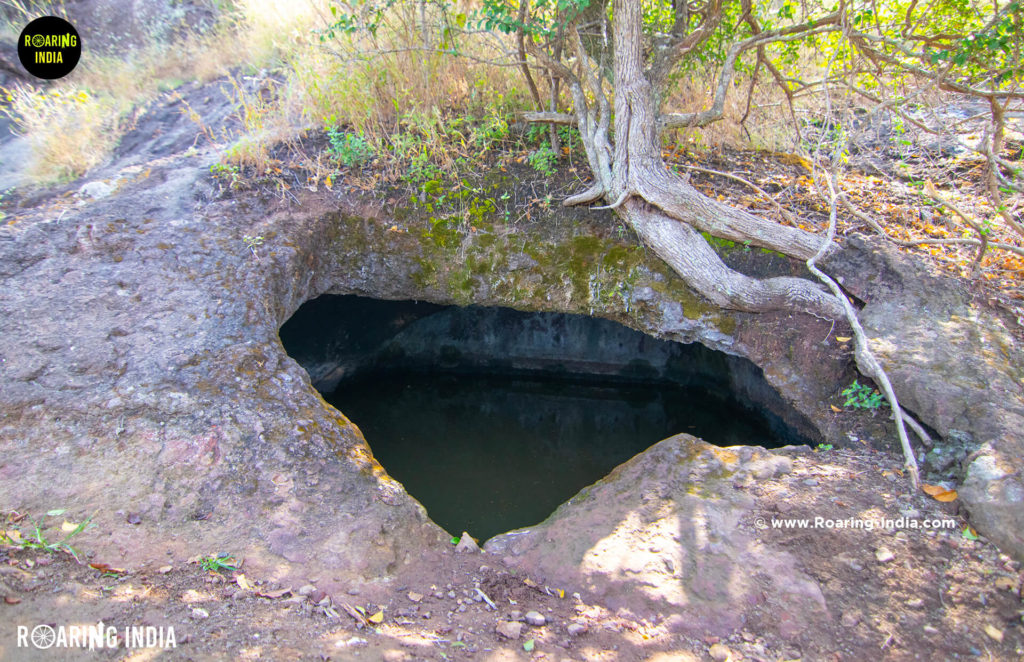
(489, 453)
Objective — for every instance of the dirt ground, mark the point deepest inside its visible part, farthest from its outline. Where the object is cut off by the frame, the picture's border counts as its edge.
(891, 595)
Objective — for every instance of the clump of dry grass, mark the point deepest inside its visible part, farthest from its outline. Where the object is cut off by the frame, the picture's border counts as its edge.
(75, 123)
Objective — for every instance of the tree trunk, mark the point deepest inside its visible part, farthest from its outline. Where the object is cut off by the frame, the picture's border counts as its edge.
(667, 213)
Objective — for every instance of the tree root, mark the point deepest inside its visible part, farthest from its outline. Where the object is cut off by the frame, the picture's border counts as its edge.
(866, 360)
(685, 250)
(678, 199)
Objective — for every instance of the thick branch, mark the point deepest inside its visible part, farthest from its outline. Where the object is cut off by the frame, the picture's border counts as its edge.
(549, 117)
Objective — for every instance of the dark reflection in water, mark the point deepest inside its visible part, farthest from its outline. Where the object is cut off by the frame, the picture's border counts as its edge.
(487, 453)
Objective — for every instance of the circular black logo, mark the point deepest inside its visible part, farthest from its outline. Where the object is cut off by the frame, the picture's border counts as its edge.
(49, 47)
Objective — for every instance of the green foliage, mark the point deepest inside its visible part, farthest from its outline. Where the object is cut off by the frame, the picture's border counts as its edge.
(13, 536)
(824, 447)
(228, 173)
(349, 149)
(493, 130)
(861, 396)
(220, 563)
(543, 159)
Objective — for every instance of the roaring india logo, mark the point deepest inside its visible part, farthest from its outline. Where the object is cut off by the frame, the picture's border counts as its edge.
(49, 47)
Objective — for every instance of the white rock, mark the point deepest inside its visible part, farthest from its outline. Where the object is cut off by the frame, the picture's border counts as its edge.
(535, 618)
(509, 629)
(720, 652)
(466, 544)
(884, 555)
(96, 190)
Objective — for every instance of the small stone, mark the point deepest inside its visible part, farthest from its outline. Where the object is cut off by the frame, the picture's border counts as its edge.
(461, 608)
(930, 629)
(467, 544)
(849, 620)
(451, 594)
(884, 555)
(353, 591)
(509, 629)
(811, 482)
(164, 569)
(535, 618)
(575, 629)
(515, 615)
(96, 190)
(306, 590)
(317, 596)
(915, 603)
(414, 596)
(200, 613)
(719, 652)
(994, 632)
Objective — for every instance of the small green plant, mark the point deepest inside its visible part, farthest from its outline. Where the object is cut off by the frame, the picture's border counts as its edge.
(543, 160)
(219, 563)
(350, 149)
(37, 540)
(824, 447)
(861, 396)
(493, 130)
(536, 133)
(252, 242)
(229, 173)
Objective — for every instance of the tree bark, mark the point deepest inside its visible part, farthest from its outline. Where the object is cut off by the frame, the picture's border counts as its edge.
(667, 213)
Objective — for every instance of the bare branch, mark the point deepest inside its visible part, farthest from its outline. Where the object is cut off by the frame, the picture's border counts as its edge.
(549, 117)
(764, 194)
(728, 70)
(524, 6)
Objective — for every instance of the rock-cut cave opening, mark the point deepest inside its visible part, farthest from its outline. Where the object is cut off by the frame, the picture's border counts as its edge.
(492, 417)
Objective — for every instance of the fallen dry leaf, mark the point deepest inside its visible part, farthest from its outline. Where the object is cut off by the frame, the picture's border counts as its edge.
(242, 582)
(11, 600)
(939, 493)
(106, 567)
